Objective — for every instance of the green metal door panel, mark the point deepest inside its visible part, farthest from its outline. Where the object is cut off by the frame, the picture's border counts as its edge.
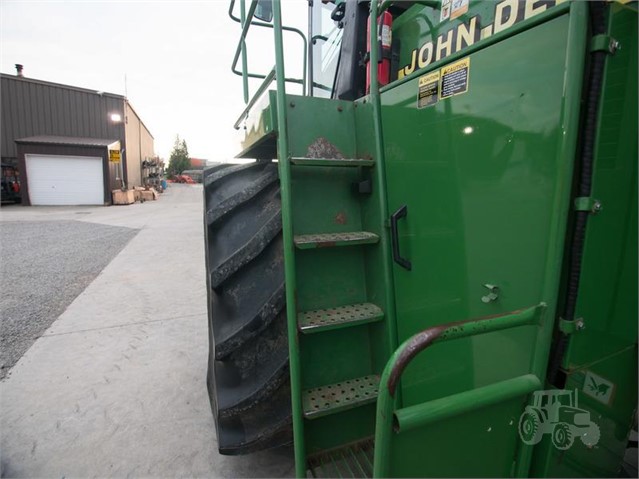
(460, 446)
(478, 173)
(608, 286)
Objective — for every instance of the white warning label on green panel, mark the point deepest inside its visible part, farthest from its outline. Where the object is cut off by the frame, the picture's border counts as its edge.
(454, 78)
(428, 90)
(458, 8)
(445, 10)
(599, 388)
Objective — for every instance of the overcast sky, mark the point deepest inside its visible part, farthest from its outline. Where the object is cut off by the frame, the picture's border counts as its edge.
(176, 56)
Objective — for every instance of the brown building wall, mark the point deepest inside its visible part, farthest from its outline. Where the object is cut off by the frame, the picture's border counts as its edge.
(108, 169)
(33, 107)
(139, 146)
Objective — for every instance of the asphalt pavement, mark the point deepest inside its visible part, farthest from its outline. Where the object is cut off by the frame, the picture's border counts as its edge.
(45, 266)
(115, 387)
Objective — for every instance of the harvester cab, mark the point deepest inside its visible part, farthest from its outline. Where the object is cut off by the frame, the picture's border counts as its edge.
(435, 244)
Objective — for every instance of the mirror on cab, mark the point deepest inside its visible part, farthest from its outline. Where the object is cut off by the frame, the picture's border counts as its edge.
(264, 10)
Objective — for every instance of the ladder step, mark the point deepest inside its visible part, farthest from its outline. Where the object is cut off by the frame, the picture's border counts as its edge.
(340, 317)
(333, 398)
(351, 460)
(329, 240)
(332, 161)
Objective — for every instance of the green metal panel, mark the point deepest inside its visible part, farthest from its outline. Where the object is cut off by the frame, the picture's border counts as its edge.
(608, 304)
(613, 422)
(478, 173)
(607, 345)
(390, 421)
(486, 177)
(438, 449)
(428, 36)
(328, 212)
(259, 129)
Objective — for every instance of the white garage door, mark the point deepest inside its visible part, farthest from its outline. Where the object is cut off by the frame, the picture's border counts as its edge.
(65, 180)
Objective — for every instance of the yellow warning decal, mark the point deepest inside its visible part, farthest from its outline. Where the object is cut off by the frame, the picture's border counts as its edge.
(454, 78)
(428, 90)
(448, 81)
(114, 156)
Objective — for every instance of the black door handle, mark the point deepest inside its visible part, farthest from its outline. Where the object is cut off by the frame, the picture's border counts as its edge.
(397, 257)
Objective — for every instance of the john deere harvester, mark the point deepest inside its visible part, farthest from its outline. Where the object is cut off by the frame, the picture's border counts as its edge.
(430, 267)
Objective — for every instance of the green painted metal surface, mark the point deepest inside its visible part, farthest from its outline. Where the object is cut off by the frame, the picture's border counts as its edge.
(331, 240)
(287, 233)
(604, 351)
(346, 162)
(487, 175)
(326, 211)
(479, 173)
(387, 441)
(424, 414)
(338, 317)
(259, 130)
(338, 397)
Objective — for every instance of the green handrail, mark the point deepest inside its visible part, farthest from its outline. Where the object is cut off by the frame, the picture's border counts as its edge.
(423, 414)
(284, 167)
(380, 180)
(241, 47)
(258, 93)
(433, 410)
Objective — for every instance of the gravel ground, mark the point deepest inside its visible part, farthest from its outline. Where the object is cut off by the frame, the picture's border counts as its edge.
(44, 267)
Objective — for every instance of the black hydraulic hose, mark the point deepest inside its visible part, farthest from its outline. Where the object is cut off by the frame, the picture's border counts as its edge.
(584, 188)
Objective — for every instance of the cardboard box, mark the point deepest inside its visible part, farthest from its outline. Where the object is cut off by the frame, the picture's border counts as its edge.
(123, 197)
(148, 195)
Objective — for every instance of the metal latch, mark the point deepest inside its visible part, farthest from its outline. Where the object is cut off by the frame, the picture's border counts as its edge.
(569, 327)
(587, 203)
(493, 293)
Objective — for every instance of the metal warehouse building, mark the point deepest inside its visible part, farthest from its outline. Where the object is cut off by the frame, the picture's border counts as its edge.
(59, 137)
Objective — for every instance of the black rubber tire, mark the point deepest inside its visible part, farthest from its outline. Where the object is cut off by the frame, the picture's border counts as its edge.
(247, 377)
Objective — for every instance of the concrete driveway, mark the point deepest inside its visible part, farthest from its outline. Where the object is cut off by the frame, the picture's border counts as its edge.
(116, 385)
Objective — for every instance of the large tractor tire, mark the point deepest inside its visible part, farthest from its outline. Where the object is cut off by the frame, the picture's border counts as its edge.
(248, 380)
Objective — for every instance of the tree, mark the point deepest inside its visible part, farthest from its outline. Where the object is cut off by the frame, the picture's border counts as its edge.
(179, 159)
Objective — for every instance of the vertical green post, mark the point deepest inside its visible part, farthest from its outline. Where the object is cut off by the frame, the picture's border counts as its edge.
(577, 43)
(244, 62)
(380, 179)
(289, 251)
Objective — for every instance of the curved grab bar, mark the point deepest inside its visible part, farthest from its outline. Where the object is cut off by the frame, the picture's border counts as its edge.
(418, 343)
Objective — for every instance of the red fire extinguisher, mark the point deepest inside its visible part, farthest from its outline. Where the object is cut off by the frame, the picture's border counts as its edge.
(384, 40)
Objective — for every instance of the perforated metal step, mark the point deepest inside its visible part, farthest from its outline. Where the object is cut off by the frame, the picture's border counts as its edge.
(340, 317)
(354, 460)
(332, 398)
(330, 240)
(332, 161)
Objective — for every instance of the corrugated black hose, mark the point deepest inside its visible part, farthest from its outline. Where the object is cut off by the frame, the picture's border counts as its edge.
(588, 135)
